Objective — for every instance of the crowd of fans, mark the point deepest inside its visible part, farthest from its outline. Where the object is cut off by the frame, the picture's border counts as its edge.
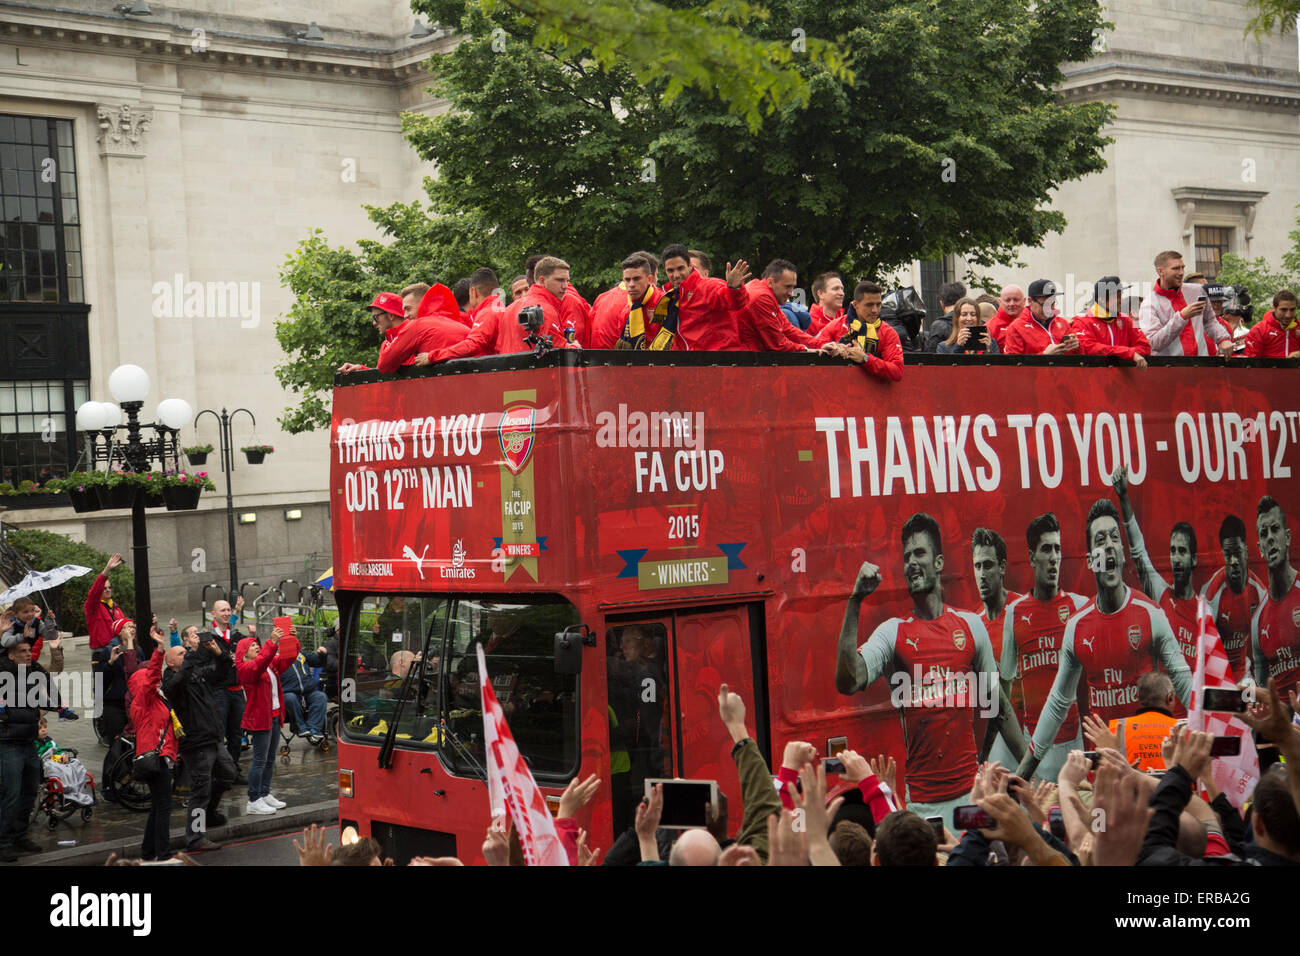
(693, 310)
(183, 704)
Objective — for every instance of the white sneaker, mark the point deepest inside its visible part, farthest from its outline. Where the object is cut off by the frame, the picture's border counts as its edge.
(274, 802)
(259, 806)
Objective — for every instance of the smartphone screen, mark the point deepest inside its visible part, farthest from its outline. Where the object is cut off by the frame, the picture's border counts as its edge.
(936, 824)
(833, 765)
(684, 802)
(1056, 823)
(1225, 699)
(1225, 747)
(971, 817)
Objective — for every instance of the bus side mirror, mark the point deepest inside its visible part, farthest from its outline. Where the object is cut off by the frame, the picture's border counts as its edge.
(568, 648)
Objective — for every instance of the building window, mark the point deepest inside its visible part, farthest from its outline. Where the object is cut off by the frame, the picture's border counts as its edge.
(38, 428)
(1211, 244)
(934, 273)
(40, 231)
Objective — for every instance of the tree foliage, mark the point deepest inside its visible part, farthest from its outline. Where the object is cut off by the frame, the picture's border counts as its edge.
(1272, 15)
(943, 133)
(43, 550)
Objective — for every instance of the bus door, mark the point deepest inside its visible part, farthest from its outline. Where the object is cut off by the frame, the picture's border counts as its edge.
(664, 674)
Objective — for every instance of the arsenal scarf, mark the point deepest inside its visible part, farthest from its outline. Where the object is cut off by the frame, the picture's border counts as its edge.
(864, 335)
(636, 327)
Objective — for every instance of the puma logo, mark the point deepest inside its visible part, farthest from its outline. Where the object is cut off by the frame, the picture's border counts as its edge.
(1263, 632)
(912, 642)
(417, 558)
(1088, 641)
(1026, 618)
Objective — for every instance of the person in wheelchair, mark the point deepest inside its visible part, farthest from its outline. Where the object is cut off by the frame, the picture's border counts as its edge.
(302, 689)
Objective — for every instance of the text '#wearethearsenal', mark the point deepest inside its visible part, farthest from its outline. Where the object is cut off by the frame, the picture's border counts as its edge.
(949, 566)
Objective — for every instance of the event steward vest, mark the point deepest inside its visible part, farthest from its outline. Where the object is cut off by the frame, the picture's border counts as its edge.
(1143, 735)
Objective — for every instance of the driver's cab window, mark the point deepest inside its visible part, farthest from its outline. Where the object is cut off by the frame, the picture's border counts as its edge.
(390, 658)
(636, 662)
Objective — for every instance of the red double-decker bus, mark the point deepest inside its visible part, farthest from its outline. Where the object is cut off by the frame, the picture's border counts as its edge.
(704, 521)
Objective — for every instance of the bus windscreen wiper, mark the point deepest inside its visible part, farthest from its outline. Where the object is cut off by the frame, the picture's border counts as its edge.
(414, 670)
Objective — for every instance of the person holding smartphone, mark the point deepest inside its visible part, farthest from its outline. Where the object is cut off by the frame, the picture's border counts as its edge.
(969, 335)
(1174, 317)
(1042, 331)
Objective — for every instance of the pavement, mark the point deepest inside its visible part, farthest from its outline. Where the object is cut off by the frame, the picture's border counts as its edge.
(308, 783)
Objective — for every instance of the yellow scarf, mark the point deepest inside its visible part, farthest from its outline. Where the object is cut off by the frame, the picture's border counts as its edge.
(865, 336)
(1101, 313)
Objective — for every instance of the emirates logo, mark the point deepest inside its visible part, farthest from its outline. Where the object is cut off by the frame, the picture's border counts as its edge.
(458, 554)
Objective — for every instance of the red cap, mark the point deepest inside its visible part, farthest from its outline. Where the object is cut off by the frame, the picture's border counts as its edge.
(390, 302)
(120, 623)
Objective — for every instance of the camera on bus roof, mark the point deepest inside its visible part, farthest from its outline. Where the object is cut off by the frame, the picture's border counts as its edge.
(1238, 302)
(531, 317)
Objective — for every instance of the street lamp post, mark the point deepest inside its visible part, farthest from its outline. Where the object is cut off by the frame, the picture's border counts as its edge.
(227, 466)
(101, 421)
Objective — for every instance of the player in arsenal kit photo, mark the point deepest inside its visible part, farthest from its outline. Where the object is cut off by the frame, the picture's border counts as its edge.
(1275, 631)
(1234, 593)
(1032, 633)
(989, 560)
(1115, 639)
(1179, 600)
(941, 672)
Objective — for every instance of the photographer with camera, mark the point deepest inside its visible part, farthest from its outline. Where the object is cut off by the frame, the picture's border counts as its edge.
(1276, 334)
(1234, 312)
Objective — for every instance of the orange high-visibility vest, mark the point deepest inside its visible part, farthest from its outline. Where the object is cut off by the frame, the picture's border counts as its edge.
(1143, 735)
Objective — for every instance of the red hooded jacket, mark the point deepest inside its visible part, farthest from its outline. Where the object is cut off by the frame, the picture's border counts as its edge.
(705, 319)
(887, 365)
(763, 327)
(1267, 339)
(819, 319)
(499, 332)
(100, 618)
(420, 335)
(1025, 336)
(575, 311)
(151, 715)
(998, 324)
(1118, 336)
(486, 307)
(609, 315)
(256, 677)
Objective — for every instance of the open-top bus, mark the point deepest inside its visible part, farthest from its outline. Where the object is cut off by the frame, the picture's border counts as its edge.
(702, 520)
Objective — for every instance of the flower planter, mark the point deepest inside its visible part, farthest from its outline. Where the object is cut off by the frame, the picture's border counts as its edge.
(197, 457)
(84, 500)
(29, 502)
(182, 499)
(117, 496)
(255, 457)
(153, 498)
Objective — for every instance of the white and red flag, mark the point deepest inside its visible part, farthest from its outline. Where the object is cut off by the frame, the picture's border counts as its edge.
(1235, 776)
(511, 787)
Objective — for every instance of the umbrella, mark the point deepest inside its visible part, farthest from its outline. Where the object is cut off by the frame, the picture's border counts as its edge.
(326, 580)
(42, 580)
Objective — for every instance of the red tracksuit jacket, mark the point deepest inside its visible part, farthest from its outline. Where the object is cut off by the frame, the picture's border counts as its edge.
(1119, 336)
(1267, 339)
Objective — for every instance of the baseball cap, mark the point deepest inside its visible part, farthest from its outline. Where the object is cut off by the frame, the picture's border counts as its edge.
(390, 302)
(1043, 289)
(1107, 286)
(1217, 292)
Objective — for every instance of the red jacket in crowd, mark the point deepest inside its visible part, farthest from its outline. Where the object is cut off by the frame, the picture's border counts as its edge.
(574, 311)
(609, 316)
(1118, 336)
(705, 314)
(419, 335)
(258, 677)
(1001, 320)
(100, 617)
(763, 326)
(486, 307)
(888, 364)
(151, 715)
(499, 332)
(1025, 336)
(819, 319)
(1267, 339)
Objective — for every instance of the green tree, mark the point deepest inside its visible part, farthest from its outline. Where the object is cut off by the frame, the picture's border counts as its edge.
(1272, 15)
(944, 135)
(1261, 278)
(43, 550)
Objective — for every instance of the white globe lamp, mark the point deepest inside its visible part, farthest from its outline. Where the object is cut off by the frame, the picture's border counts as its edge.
(129, 383)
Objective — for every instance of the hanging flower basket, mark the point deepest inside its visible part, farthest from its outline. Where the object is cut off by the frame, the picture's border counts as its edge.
(84, 499)
(115, 496)
(181, 490)
(80, 488)
(256, 454)
(198, 454)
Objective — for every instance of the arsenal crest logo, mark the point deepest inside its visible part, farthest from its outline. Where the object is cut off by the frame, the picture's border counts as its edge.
(516, 435)
(1134, 636)
(1063, 612)
(959, 639)
(1295, 616)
